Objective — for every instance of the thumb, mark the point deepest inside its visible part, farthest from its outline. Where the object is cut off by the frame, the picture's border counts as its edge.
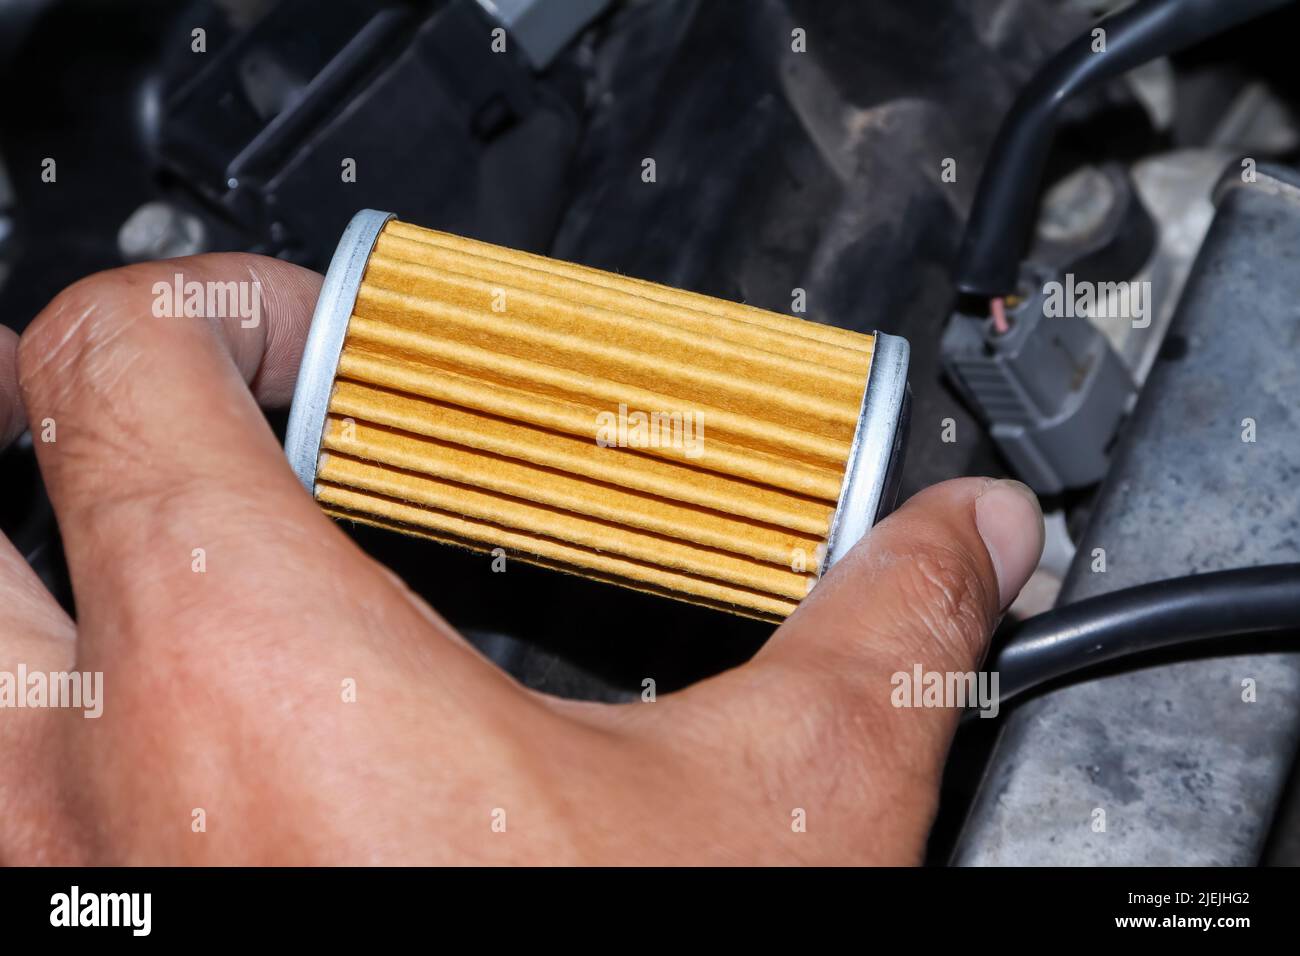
(930, 581)
(924, 587)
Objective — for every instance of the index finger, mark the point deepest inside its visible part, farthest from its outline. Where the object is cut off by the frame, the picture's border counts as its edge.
(154, 452)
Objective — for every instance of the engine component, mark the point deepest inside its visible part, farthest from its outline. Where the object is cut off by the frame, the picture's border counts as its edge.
(1003, 213)
(543, 27)
(1187, 761)
(159, 230)
(307, 129)
(1179, 612)
(1094, 226)
(1049, 387)
(626, 431)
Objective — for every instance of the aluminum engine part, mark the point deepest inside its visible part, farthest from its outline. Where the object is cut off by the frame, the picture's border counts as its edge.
(1185, 768)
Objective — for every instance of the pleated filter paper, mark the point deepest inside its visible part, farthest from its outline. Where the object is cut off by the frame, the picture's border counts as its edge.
(580, 420)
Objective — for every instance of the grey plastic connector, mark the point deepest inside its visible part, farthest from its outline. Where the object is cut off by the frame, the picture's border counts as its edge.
(1051, 391)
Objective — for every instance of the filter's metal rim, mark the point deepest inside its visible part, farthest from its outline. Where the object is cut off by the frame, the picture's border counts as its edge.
(875, 457)
(320, 356)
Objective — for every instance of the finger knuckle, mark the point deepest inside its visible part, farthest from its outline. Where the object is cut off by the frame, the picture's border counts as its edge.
(946, 589)
(71, 334)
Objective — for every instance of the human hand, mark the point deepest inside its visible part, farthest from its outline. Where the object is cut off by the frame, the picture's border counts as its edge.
(221, 689)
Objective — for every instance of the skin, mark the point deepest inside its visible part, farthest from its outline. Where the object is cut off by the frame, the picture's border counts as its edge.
(222, 690)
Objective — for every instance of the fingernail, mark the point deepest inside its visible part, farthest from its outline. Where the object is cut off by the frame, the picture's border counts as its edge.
(1011, 523)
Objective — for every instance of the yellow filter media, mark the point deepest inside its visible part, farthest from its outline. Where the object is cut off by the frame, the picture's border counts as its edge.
(577, 419)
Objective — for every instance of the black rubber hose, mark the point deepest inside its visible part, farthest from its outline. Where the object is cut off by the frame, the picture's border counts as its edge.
(1002, 216)
(1163, 614)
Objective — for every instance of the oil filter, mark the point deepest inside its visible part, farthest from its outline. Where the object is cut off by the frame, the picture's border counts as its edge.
(592, 423)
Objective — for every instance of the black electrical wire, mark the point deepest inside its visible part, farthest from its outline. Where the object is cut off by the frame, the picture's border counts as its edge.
(1005, 204)
(1164, 614)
